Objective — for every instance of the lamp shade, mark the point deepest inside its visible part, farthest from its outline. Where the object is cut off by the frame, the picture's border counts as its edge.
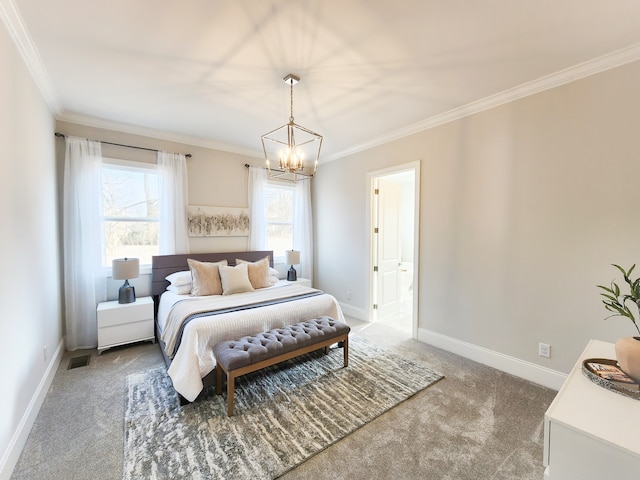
(125, 268)
(292, 257)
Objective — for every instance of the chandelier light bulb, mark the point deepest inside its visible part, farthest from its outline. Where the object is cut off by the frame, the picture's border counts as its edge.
(291, 159)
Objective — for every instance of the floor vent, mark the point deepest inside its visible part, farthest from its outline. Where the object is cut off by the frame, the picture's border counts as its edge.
(81, 361)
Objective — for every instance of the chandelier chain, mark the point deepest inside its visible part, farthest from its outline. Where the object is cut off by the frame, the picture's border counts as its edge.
(291, 114)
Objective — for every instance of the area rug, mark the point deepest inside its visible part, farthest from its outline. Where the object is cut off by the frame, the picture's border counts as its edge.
(283, 415)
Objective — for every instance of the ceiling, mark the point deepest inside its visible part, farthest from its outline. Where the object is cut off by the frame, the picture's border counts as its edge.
(209, 72)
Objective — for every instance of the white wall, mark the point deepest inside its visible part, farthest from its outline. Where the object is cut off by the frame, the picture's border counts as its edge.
(30, 285)
(524, 207)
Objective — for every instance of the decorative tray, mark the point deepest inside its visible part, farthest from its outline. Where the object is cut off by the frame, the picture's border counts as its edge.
(607, 374)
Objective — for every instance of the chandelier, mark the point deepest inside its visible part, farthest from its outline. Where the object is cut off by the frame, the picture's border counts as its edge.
(291, 151)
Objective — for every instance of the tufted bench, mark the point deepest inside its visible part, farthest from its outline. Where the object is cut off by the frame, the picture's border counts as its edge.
(254, 352)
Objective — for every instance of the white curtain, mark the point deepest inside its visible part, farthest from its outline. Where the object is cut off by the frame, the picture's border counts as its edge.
(302, 219)
(82, 222)
(303, 228)
(258, 222)
(174, 234)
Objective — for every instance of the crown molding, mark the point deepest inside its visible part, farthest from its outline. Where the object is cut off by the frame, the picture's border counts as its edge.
(562, 77)
(190, 140)
(20, 35)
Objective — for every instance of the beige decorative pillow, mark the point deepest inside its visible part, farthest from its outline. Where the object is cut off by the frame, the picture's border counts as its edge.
(235, 279)
(258, 272)
(206, 277)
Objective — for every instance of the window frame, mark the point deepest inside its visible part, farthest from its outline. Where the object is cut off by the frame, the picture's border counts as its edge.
(285, 186)
(134, 166)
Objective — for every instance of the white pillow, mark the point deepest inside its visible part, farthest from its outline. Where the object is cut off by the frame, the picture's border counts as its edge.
(179, 278)
(180, 290)
(235, 279)
(273, 271)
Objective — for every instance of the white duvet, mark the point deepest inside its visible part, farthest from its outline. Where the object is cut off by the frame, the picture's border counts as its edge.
(194, 357)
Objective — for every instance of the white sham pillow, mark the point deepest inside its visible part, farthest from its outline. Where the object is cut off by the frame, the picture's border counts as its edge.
(178, 279)
(235, 279)
(180, 290)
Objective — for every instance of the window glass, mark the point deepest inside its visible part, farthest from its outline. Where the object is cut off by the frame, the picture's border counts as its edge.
(279, 213)
(130, 212)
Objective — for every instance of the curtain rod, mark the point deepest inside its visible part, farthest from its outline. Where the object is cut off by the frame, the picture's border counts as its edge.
(61, 135)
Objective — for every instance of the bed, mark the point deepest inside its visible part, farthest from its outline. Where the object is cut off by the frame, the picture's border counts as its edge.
(187, 327)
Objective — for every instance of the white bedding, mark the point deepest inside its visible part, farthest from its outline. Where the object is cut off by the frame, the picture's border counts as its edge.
(194, 357)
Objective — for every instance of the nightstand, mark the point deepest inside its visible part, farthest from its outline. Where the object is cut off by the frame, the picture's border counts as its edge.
(121, 323)
(305, 282)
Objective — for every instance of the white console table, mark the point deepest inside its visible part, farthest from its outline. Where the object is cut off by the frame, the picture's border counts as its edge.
(591, 433)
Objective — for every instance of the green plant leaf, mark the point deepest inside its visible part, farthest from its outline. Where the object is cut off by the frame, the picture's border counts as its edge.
(606, 289)
(613, 299)
(622, 270)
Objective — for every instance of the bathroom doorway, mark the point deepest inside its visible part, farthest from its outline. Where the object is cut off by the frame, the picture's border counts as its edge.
(394, 220)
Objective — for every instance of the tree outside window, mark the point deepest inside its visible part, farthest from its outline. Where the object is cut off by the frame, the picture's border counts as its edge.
(279, 206)
(130, 212)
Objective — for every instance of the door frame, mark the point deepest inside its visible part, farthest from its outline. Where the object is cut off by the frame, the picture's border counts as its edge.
(371, 176)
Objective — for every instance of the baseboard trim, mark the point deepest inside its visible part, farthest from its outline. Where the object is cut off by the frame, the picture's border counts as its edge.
(16, 444)
(355, 312)
(515, 366)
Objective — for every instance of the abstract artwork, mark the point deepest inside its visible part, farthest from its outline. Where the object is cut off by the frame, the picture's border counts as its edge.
(218, 221)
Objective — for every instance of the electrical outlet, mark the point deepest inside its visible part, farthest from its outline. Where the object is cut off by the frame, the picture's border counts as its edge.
(45, 353)
(348, 295)
(544, 350)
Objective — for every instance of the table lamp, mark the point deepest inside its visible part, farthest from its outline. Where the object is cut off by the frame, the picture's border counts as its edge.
(124, 269)
(292, 257)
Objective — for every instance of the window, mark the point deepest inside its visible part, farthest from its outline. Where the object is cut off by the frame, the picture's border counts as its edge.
(279, 206)
(130, 213)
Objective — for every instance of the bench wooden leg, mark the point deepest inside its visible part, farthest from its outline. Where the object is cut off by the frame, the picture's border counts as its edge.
(230, 388)
(345, 350)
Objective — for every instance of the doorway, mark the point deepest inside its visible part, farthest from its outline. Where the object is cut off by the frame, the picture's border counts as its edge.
(394, 200)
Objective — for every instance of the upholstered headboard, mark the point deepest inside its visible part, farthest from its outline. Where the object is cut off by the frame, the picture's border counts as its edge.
(163, 265)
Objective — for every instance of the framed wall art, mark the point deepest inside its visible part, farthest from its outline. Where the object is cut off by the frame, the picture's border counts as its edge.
(218, 221)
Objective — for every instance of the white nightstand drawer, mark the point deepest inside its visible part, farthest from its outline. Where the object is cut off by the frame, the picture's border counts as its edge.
(120, 323)
(125, 333)
(114, 313)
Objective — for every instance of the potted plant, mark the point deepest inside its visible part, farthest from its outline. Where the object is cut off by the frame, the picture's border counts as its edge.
(615, 301)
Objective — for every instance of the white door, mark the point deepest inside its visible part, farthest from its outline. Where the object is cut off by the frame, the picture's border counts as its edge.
(394, 213)
(389, 247)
